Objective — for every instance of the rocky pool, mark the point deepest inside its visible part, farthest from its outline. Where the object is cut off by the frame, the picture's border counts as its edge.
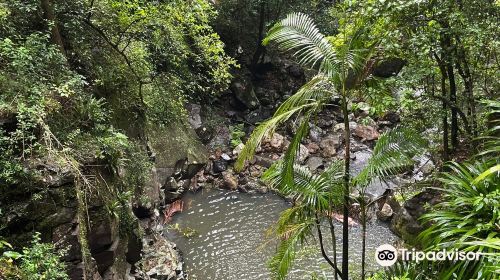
(230, 240)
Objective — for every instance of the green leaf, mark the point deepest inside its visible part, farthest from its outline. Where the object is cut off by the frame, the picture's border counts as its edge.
(12, 255)
(490, 171)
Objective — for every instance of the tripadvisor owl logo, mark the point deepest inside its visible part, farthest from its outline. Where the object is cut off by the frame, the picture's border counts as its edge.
(386, 255)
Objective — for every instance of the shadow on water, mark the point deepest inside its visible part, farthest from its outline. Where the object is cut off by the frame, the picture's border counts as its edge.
(231, 242)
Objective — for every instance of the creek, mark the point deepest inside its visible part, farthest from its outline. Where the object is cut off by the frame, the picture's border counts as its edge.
(230, 240)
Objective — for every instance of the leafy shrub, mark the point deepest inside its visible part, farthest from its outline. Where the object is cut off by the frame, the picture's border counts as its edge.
(469, 216)
(467, 219)
(37, 262)
(236, 134)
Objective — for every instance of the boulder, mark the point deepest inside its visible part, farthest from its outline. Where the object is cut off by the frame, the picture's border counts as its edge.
(194, 117)
(391, 117)
(237, 150)
(221, 138)
(161, 260)
(314, 163)
(244, 93)
(225, 157)
(385, 214)
(260, 114)
(405, 221)
(295, 71)
(315, 133)
(263, 161)
(366, 132)
(266, 96)
(388, 67)
(340, 127)
(325, 121)
(176, 143)
(313, 148)
(230, 181)
(303, 153)
(219, 166)
(275, 143)
(329, 146)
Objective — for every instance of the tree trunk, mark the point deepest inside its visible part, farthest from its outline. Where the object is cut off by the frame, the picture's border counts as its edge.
(363, 237)
(260, 48)
(322, 247)
(464, 71)
(55, 35)
(446, 156)
(334, 245)
(447, 63)
(442, 69)
(347, 159)
(453, 100)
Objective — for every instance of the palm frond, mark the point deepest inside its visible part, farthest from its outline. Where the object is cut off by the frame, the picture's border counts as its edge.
(392, 154)
(267, 128)
(293, 150)
(354, 61)
(315, 192)
(319, 88)
(298, 33)
(296, 234)
(310, 97)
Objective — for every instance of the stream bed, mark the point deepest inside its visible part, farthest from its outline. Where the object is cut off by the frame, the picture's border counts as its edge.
(230, 241)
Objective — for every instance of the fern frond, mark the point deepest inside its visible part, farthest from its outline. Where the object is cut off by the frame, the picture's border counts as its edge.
(467, 219)
(293, 150)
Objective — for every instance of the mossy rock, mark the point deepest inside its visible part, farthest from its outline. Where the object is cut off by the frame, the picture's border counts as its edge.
(176, 142)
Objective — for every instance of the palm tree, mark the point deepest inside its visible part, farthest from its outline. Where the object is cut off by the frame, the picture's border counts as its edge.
(340, 67)
(315, 196)
(393, 154)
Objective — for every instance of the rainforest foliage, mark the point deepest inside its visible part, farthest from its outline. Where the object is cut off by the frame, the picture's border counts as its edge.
(79, 81)
(69, 69)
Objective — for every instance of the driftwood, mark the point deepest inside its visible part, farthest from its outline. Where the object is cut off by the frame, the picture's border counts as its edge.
(174, 207)
(340, 218)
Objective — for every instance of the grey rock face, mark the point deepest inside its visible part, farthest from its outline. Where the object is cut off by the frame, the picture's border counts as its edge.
(244, 92)
(314, 163)
(329, 146)
(385, 214)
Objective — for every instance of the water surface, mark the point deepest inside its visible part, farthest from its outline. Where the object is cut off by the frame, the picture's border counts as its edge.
(231, 241)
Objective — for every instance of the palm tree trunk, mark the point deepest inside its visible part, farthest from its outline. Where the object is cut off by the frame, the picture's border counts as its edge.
(347, 158)
(334, 244)
(322, 247)
(363, 237)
